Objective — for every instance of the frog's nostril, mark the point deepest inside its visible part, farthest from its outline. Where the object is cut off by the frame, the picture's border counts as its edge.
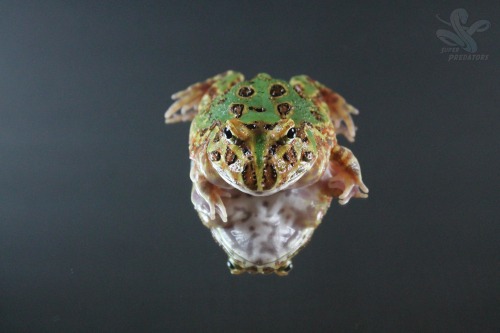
(257, 109)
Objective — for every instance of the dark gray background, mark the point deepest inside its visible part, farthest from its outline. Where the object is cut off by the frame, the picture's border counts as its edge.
(97, 231)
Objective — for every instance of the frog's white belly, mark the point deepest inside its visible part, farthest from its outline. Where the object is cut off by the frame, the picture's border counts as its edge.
(264, 230)
(263, 233)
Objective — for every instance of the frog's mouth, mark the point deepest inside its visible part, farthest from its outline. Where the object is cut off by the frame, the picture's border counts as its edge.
(268, 180)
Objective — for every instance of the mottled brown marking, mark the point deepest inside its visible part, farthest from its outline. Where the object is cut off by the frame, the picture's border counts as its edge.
(346, 159)
(284, 109)
(299, 89)
(237, 109)
(252, 270)
(246, 151)
(214, 156)
(230, 156)
(272, 149)
(214, 124)
(277, 90)
(217, 137)
(352, 169)
(249, 176)
(267, 270)
(203, 131)
(269, 127)
(301, 134)
(270, 176)
(307, 156)
(339, 155)
(290, 156)
(317, 115)
(245, 92)
(212, 92)
(246, 214)
(329, 96)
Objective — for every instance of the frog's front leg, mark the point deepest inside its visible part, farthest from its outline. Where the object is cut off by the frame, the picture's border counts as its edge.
(206, 196)
(346, 180)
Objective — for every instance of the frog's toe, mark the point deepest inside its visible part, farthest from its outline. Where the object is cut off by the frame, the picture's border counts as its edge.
(349, 190)
(220, 209)
(353, 191)
(209, 203)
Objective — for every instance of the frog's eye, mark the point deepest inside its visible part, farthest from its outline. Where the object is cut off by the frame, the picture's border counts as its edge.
(277, 90)
(291, 133)
(245, 92)
(227, 133)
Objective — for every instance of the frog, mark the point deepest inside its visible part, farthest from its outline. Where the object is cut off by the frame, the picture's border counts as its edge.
(266, 163)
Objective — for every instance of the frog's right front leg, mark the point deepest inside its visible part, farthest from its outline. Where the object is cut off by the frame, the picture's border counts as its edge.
(206, 196)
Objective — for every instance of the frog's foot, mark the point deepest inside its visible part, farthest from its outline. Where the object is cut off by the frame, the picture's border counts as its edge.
(207, 197)
(215, 203)
(208, 200)
(346, 180)
(187, 101)
(340, 113)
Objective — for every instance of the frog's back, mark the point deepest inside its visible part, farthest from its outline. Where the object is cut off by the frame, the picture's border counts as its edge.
(261, 99)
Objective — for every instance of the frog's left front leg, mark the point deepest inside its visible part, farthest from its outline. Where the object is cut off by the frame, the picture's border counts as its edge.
(346, 180)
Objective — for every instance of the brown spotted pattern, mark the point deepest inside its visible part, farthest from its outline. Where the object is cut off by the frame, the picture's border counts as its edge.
(345, 157)
(237, 109)
(307, 156)
(246, 92)
(277, 90)
(269, 177)
(230, 156)
(214, 156)
(290, 156)
(249, 176)
(284, 109)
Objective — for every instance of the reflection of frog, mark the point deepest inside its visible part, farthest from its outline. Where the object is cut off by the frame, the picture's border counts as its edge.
(266, 163)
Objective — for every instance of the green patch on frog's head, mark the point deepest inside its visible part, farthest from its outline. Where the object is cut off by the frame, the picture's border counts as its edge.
(262, 99)
(259, 157)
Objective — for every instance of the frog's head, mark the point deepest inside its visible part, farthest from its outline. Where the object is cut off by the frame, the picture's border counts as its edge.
(258, 146)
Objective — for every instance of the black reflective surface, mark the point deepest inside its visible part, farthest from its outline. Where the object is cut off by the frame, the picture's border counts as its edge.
(97, 232)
